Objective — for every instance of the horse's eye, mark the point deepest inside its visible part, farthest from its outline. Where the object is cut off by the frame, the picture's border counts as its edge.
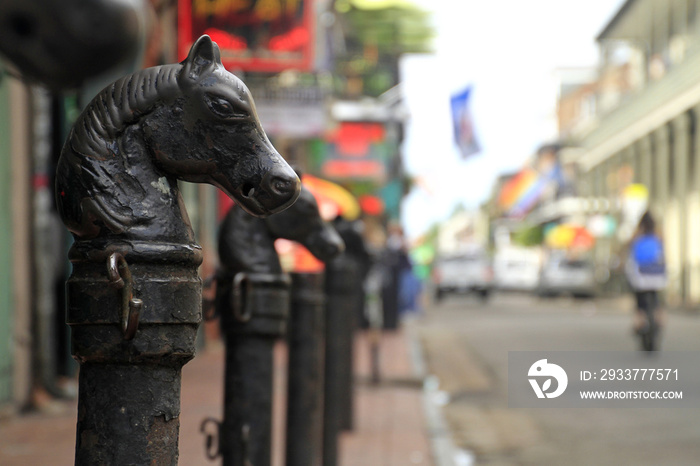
(223, 108)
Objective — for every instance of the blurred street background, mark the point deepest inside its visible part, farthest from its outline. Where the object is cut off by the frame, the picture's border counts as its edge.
(466, 346)
(494, 158)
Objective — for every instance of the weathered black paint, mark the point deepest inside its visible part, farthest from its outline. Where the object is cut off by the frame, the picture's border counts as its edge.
(129, 390)
(342, 277)
(116, 188)
(194, 121)
(305, 377)
(249, 367)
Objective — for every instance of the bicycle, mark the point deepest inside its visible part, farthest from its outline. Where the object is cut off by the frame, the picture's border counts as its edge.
(649, 332)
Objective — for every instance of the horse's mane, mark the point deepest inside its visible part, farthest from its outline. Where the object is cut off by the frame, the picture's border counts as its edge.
(96, 154)
(121, 104)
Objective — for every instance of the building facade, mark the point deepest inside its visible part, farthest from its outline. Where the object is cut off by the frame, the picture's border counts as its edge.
(646, 128)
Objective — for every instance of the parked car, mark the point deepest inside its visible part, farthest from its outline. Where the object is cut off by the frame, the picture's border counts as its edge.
(567, 275)
(516, 274)
(517, 268)
(463, 273)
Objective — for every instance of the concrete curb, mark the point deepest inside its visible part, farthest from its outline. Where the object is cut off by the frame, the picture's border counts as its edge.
(445, 453)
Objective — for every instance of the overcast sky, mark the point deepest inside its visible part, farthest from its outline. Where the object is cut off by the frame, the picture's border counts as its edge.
(508, 51)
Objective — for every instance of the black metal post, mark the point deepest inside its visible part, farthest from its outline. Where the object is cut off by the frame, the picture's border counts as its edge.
(306, 354)
(356, 261)
(134, 297)
(253, 301)
(134, 317)
(260, 309)
(347, 377)
(342, 275)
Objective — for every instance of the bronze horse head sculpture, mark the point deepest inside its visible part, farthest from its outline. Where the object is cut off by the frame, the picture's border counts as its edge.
(193, 121)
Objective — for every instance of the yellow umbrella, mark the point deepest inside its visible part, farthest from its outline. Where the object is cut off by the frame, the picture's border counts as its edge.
(560, 236)
(636, 191)
(564, 236)
(329, 193)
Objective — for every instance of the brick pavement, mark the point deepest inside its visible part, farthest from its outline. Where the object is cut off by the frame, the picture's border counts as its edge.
(390, 428)
(389, 424)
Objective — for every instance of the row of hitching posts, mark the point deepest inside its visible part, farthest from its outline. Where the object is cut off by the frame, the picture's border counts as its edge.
(134, 297)
(316, 313)
(130, 387)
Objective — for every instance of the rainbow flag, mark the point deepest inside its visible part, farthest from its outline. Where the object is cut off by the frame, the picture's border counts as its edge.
(522, 192)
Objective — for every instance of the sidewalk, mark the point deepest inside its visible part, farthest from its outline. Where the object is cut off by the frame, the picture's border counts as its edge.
(390, 427)
(390, 424)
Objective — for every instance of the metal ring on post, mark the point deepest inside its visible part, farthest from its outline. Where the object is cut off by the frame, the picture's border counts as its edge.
(120, 277)
(242, 308)
(241, 314)
(212, 442)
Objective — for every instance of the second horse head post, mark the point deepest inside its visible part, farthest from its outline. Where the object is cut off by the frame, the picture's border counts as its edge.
(254, 316)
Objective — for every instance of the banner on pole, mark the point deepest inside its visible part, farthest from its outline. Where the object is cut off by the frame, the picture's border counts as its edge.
(463, 123)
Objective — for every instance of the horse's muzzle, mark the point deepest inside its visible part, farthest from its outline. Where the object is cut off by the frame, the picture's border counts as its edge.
(279, 189)
(325, 244)
(281, 185)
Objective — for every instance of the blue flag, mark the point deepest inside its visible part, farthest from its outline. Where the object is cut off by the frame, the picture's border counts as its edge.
(463, 123)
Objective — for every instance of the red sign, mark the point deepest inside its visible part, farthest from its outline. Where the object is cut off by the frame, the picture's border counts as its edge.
(356, 150)
(341, 169)
(253, 35)
(354, 139)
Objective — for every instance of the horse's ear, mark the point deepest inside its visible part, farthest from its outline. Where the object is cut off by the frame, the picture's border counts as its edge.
(203, 55)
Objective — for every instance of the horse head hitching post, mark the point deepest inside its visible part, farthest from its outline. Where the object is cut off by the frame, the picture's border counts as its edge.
(134, 296)
(253, 301)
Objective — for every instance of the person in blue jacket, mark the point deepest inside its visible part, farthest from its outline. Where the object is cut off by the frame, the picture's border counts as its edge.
(646, 269)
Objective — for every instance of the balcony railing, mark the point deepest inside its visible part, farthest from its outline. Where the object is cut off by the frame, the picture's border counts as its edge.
(641, 113)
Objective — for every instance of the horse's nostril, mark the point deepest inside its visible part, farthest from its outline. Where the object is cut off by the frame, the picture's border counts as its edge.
(248, 190)
(278, 189)
(282, 186)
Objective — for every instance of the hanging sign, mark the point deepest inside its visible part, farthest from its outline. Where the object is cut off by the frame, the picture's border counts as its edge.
(253, 35)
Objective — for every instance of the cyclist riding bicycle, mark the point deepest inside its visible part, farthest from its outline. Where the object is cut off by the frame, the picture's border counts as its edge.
(646, 274)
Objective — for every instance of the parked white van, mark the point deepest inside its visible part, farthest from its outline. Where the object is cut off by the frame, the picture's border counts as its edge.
(517, 269)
